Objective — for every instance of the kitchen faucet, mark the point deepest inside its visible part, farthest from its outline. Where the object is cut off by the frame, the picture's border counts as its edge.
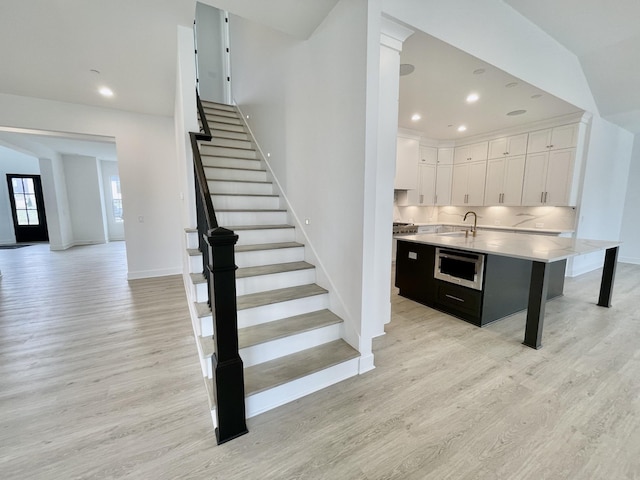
(475, 222)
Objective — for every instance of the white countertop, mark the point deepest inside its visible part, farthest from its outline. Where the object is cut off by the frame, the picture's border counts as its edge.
(539, 248)
(497, 227)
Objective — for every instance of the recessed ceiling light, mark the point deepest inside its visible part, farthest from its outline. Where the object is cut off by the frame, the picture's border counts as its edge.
(478, 71)
(106, 92)
(462, 128)
(516, 112)
(406, 69)
(511, 85)
(415, 117)
(537, 95)
(472, 97)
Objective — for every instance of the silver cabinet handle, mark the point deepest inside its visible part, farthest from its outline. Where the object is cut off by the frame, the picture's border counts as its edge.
(454, 298)
(421, 198)
(545, 197)
(435, 198)
(541, 197)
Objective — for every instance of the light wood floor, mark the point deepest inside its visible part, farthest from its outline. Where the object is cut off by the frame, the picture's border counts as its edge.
(99, 379)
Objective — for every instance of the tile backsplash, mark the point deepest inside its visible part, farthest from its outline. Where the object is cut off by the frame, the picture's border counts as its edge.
(546, 218)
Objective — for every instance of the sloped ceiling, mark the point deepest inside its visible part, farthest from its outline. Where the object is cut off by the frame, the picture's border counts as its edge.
(605, 37)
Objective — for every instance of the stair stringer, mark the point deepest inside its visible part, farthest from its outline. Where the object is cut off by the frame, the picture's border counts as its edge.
(336, 302)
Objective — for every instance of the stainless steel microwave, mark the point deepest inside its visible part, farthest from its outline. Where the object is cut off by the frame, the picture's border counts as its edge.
(462, 268)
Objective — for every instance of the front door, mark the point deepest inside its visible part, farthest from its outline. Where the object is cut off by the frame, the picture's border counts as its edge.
(27, 208)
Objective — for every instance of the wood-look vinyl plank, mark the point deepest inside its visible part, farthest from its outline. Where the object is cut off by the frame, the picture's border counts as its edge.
(99, 378)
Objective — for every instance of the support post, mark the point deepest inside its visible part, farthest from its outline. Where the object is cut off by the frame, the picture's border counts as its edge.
(227, 367)
(537, 302)
(608, 276)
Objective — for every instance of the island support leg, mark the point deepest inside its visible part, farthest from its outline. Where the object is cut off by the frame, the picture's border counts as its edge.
(537, 301)
(608, 275)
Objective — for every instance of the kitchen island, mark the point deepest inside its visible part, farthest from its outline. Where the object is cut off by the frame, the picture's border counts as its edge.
(513, 272)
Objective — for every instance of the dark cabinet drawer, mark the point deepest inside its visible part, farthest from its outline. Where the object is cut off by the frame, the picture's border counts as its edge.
(460, 301)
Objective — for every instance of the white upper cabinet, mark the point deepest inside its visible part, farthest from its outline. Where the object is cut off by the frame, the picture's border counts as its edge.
(407, 156)
(468, 184)
(428, 155)
(504, 181)
(508, 146)
(443, 183)
(548, 177)
(471, 153)
(445, 156)
(556, 138)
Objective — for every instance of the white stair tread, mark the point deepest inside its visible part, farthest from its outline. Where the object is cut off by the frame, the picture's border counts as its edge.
(250, 336)
(257, 227)
(271, 269)
(270, 297)
(290, 367)
(267, 246)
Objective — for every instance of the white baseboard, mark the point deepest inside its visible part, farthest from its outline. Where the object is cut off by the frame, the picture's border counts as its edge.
(366, 364)
(634, 260)
(161, 272)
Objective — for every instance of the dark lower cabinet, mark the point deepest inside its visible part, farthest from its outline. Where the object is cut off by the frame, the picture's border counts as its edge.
(505, 290)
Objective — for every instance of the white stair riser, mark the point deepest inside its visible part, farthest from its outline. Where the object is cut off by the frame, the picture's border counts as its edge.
(271, 235)
(251, 218)
(195, 264)
(269, 257)
(213, 173)
(240, 187)
(230, 162)
(263, 283)
(200, 292)
(234, 135)
(223, 112)
(248, 202)
(191, 239)
(225, 127)
(206, 326)
(212, 117)
(229, 142)
(267, 313)
(288, 345)
(228, 152)
(269, 399)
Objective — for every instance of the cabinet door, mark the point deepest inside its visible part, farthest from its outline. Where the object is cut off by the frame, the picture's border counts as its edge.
(428, 155)
(479, 151)
(475, 185)
(407, 154)
(459, 184)
(427, 184)
(445, 156)
(535, 172)
(513, 179)
(444, 176)
(517, 145)
(539, 141)
(559, 170)
(564, 137)
(495, 181)
(498, 148)
(462, 154)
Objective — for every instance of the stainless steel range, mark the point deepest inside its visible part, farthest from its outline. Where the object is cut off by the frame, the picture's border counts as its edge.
(404, 228)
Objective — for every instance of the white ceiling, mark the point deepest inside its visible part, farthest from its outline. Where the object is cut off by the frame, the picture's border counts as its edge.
(442, 80)
(49, 47)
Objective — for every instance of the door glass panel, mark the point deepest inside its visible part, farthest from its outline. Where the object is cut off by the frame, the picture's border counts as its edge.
(17, 185)
(28, 185)
(116, 196)
(33, 217)
(20, 203)
(30, 200)
(23, 219)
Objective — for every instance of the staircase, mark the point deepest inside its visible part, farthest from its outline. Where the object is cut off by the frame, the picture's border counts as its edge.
(290, 342)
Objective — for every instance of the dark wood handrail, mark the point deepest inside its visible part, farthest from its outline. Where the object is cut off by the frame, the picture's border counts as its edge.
(203, 117)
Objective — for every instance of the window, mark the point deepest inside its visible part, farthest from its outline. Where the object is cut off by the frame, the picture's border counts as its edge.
(116, 195)
(24, 196)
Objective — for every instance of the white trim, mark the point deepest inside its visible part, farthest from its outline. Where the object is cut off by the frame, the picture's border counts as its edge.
(162, 272)
(392, 34)
(632, 260)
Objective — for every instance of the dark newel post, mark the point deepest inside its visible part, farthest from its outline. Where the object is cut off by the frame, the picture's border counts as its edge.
(228, 376)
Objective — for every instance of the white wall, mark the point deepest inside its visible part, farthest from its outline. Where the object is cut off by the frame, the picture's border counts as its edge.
(145, 146)
(54, 190)
(85, 199)
(12, 162)
(306, 103)
(630, 236)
